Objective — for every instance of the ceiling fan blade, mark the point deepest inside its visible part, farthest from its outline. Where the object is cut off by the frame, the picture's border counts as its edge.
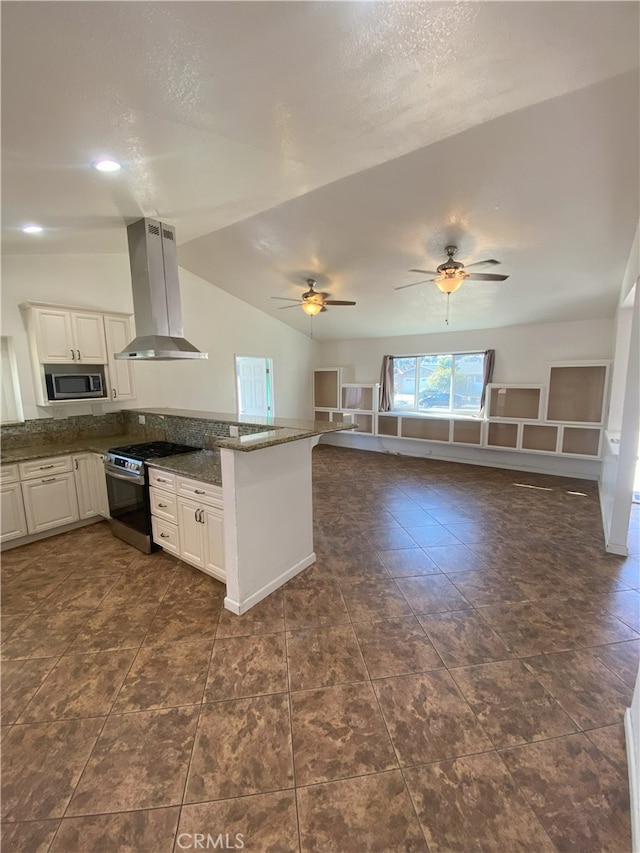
(486, 276)
(491, 262)
(285, 299)
(337, 302)
(284, 307)
(426, 272)
(413, 283)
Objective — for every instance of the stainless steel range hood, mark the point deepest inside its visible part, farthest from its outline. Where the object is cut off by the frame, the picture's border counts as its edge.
(156, 295)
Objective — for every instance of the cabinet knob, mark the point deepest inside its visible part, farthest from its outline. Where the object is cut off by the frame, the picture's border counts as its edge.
(78, 351)
(76, 463)
(73, 355)
(161, 480)
(164, 536)
(162, 506)
(200, 492)
(114, 393)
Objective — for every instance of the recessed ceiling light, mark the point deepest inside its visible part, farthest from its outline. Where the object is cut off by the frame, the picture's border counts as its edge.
(106, 165)
(32, 229)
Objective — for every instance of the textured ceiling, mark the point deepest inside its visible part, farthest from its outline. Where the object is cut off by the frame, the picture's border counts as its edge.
(348, 140)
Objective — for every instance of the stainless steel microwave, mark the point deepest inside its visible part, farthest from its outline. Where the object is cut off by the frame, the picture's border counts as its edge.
(74, 386)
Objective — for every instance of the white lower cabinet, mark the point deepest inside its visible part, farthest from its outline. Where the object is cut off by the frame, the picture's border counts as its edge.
(100, 485)
(91, 485)
(213, 529)
(50, 502)
(14, 522)
(190, 527)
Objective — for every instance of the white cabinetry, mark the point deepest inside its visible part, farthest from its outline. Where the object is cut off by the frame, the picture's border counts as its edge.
(62, 336)
(188, 520)
(118, 334)
(91, 487)
(14, 522)
(50, 502)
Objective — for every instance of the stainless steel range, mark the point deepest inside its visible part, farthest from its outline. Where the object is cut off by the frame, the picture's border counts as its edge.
(128, 489)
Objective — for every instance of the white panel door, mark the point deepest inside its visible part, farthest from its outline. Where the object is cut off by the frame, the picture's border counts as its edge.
(88, 333)
(253, 378)
(118, 335)
(190, 532)
(50, 502)
(14, 522)
(54, 335)
(214, 542)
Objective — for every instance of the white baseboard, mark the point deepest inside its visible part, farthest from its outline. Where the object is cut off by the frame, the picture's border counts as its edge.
(239, 608)
(634, 782)
(609, 547)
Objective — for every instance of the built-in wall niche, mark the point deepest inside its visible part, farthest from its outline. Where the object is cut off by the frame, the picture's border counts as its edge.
(359, 397)
(540, 437)
(502, 435)
(326, 388)
(467, 432)
(387, 425)
(577, 393)
(521, 402)
(429, 429)
(581, 441)
(322, 416)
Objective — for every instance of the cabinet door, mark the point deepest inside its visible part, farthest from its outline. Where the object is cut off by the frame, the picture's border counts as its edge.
(84, 476)
(100, 485)
(88, 334)
(190, 532)
(54, 335)
(14, 523)
(214, 542)
(118, 335)
(50, 502)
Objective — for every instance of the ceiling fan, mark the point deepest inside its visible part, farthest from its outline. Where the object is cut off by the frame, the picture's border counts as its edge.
(451, 274)
(312, 301)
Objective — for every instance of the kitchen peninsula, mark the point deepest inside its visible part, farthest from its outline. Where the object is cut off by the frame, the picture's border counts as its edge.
(265, 476)
(245, 498)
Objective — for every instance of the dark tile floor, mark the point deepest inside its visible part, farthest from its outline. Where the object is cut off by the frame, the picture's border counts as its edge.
(451, 675)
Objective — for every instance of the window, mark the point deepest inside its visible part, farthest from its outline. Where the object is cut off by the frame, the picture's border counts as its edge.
(443, 383)
(11, 411)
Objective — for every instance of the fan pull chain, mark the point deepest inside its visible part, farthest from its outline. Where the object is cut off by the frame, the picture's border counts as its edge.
(447, 317)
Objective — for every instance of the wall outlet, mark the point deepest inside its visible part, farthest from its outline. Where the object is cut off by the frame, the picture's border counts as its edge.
(233, 431)
(142, 419)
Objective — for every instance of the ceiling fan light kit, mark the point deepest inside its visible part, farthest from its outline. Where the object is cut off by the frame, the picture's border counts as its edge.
(312, 301)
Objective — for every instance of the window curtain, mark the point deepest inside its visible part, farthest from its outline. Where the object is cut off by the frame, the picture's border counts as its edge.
(487, 374)
(386, 384)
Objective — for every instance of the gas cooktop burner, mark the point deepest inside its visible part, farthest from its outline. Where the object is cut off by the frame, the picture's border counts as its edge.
(151, 450)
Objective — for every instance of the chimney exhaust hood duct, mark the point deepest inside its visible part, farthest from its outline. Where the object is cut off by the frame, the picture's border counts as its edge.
(156, 295)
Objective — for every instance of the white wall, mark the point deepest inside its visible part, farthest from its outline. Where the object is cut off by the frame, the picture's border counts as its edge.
(213, 320)
(523, 353)
(621, 447)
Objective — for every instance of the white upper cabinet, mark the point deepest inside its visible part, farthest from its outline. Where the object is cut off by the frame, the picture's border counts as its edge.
(53, 335)
(68, 336)
(89, 338)
(118, 334)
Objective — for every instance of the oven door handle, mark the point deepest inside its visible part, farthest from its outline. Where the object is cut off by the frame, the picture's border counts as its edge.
(128, 478)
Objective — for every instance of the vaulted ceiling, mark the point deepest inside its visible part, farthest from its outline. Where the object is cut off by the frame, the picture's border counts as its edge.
(347, 141)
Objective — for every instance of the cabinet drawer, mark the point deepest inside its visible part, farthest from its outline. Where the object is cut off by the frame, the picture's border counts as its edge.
(165, 534)
(9, 474)
(163, 505)
(162, 479)
(204, 493)
(45, 467)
